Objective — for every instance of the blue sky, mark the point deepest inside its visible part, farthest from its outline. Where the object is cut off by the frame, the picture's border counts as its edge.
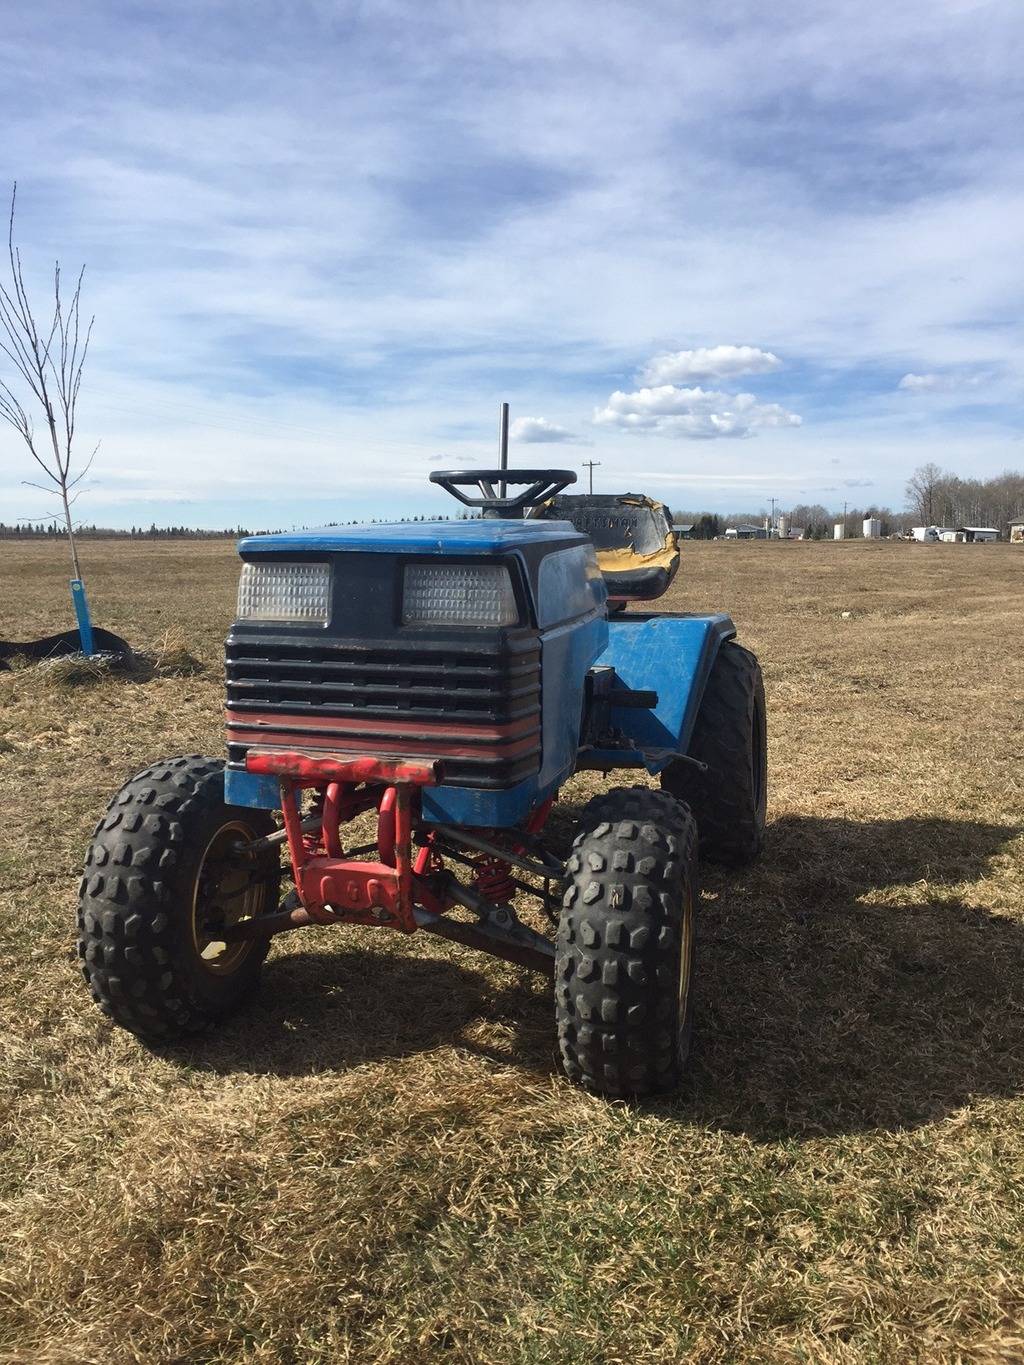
(325, 240)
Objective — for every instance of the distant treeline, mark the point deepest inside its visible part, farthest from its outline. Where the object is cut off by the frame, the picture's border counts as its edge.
(51, 531)
(939, 498)
(934, 498)
(814, 520)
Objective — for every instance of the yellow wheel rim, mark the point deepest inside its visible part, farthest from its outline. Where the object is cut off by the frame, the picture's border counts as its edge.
(225, 894)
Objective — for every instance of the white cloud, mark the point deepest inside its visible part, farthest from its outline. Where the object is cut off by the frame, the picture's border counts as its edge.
(695, 412)
(538, 430)
(921, 383)
(708, 362)
(939, 383)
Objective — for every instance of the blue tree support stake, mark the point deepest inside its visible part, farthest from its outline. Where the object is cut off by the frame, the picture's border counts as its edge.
(82, 613)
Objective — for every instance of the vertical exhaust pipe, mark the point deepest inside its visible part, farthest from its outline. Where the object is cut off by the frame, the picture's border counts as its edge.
(502, 445)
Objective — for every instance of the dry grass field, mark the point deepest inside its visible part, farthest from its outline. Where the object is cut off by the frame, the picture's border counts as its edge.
(379, 1160)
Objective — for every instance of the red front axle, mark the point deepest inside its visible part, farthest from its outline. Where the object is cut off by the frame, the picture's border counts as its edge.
(330, 885)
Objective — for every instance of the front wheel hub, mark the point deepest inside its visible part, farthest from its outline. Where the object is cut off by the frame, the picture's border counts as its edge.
(226, 894)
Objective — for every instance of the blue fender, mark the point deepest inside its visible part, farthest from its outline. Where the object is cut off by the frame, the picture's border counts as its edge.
(672, 656)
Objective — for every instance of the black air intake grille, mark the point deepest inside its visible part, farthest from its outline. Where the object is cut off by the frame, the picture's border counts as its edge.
(473, 704)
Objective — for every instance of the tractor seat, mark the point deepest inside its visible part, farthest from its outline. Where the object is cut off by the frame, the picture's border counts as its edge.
(637, 550)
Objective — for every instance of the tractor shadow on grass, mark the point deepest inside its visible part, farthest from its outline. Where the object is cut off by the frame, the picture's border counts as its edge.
(339, 1008)
(844, 986)
(820, 1008)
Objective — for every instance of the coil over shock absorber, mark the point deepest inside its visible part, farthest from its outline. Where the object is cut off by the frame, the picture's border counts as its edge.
(493, 879)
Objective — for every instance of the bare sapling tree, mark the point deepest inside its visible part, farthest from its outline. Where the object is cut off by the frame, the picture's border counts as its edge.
(924, 488)
(48, 364)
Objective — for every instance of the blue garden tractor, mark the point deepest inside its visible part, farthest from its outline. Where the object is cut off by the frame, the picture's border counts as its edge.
(444, 680)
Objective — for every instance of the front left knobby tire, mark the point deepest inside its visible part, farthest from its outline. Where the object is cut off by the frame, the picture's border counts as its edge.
(165, 869)
(624, 955)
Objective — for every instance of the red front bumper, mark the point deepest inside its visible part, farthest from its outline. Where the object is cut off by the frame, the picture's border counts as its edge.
(332, 886)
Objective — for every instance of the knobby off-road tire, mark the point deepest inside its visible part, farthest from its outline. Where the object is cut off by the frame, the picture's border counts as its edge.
(161, 865)
(729, 801)
(624, 954)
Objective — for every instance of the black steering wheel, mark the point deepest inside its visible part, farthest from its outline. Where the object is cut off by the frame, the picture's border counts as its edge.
(542, 485)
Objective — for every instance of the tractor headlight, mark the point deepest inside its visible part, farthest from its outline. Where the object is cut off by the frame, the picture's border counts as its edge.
(458, 595)
(285, 592)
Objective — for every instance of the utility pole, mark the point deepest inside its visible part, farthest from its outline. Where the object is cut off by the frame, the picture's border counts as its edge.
(771, 524)
(591, 465)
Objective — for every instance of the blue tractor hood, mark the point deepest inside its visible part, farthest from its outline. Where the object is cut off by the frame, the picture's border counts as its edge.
(475, 537)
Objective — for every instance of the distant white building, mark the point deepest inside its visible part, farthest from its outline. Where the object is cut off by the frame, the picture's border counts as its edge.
(979, 532)
(746, 533)
(955, 534)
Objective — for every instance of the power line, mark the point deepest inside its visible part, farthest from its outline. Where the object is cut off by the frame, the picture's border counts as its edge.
(591, 465)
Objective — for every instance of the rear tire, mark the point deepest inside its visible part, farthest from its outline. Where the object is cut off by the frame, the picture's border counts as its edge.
(161, 870)
(730, 800)
(624, 953)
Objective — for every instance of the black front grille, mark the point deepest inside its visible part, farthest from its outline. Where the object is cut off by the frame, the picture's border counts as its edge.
(472, 702)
